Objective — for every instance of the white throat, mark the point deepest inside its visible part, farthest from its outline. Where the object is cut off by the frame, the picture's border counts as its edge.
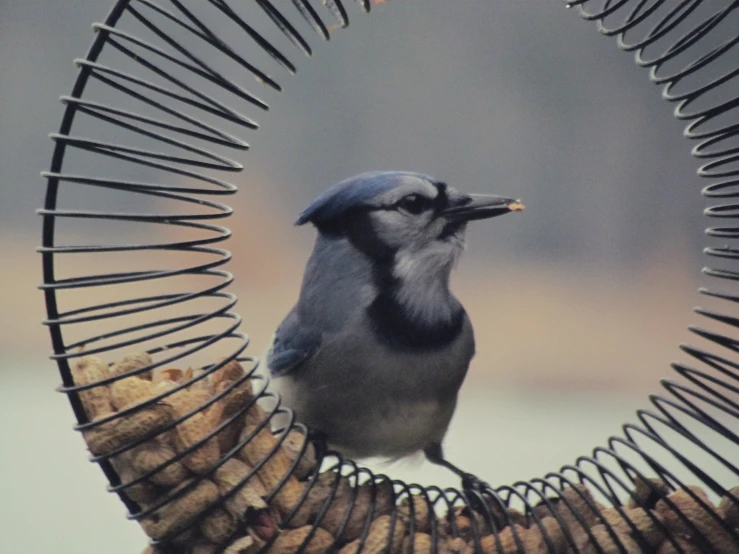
(423, 281)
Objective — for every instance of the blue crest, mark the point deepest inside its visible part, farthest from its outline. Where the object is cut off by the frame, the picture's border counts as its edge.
(351, 193)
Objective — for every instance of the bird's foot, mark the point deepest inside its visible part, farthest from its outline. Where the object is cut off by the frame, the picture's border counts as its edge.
(320, 442)
(474, 490)
(471, 483)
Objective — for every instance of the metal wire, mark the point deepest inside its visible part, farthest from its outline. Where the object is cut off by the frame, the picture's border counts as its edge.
(150, 88)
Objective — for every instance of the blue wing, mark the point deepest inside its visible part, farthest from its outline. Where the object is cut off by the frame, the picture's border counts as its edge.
(293, 344)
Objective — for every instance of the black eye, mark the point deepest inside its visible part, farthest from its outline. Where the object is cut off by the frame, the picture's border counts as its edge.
(414, 204)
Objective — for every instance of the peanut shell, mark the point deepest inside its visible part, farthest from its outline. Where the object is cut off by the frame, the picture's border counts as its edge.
(245, 545)
(193, 430)
(276, 466)
(117, 433)
(227, 407)
(131, 391)
(143, 422)
(144, 493)
(169, 374)
(647, 492)
(605, 542)
(97, 400)
(507, 540)
(728, 507)
(132, 362)
(177, 514)
(711, 530)
(362, 509)
(650, 530)
(189, 433)
(421, 512)
(250, 495)
(292, 445)
(155, 454)
(232, 371)
(581, 507)
(289, 541)
(320, 493)
(550, 527)
(422, 544)
(452, 546)
(218, 526)
(377, 539)
(187, 400)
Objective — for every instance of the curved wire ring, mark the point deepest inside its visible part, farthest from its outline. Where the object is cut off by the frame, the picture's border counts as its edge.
(163, 77)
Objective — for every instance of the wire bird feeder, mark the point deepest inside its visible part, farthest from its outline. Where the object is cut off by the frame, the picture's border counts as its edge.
(190, 452)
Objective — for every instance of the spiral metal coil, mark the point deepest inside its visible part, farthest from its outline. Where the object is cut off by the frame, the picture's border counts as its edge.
(152, 95)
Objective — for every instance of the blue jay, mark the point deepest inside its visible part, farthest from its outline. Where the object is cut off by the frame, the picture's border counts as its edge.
(374, 352)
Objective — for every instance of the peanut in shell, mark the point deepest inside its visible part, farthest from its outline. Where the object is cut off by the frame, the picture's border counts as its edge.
(602, 542)
(116, 433)
(226, 408)
(218, 526)
(581, 500)
(154, 455)
(276, 466)
(144, 493)
(690, 508)
(245, 545)
(363, 508)
(232, 371)
(292, 445)
(421, 512)
(507, 540)
(176, 514)
(96, 401)
(422, 544)
(131, 391)
(707, 528)
(452, 545)
(131, 362)
(550, 528)
(376, 542)
(728, 508)
(189, 433)
(186, 400)
(323, 500)
(645, 525)
(647, 492)
(193, 430)
(248, 496)
(288, 541)
(103, 438)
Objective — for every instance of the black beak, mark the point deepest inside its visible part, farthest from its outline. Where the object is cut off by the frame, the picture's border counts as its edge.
(481, 206)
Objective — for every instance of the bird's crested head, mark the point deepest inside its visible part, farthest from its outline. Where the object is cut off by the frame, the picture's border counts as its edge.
(401, 214)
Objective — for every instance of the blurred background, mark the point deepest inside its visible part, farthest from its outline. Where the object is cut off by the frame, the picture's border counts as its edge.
(578, 304)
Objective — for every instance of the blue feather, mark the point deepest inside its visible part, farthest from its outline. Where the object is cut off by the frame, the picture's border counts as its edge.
(293, 344)
(351, 193)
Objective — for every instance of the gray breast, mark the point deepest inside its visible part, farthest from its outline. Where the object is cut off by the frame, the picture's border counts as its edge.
(371, 399)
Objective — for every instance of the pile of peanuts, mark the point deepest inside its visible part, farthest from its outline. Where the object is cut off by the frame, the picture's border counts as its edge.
(283, 506)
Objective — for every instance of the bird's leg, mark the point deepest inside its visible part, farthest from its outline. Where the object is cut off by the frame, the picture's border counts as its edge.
(435, 455)
(320, 442)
